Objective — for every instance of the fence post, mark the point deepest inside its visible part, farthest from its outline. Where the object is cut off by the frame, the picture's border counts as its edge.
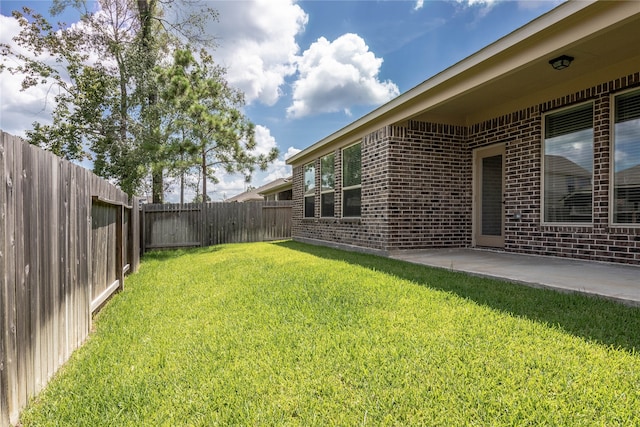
(4, 385)
(134, 223)
(203, 225)
(119, 246)
(143, 229)
(46, 265)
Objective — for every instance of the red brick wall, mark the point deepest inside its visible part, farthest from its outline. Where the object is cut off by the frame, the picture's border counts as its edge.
(522, 133)
(368, 231)
(417, 187)
(430, 187)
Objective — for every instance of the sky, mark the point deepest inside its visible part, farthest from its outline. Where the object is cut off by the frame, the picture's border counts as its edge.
(309, 68)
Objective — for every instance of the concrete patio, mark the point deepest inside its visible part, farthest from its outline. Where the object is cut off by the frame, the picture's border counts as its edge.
(618, 282)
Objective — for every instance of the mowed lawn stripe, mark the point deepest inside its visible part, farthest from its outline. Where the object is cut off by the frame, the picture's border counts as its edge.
(289, 334)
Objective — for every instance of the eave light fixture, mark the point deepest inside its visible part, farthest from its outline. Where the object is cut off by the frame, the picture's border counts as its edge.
(561, 62)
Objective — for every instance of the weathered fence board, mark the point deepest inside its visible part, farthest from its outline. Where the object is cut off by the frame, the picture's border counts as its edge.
(58, 249)
(4, 404)
(196, 224)
(169, 225)
(22, 330)
(276, 220)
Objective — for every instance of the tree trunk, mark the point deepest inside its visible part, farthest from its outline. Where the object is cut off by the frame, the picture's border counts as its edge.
(157, 187)
(204, 176)
(182, 189)
(145, 9)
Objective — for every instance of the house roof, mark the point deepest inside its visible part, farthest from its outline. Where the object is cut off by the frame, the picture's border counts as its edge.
(257, 194)
(559, 165)
(280, 184)
(247, 196)
(629, 177)
(513, 72)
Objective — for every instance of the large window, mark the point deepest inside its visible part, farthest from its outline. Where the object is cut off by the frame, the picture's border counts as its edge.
(351, 172)
(309, 190)
(568, 165)
(327, 185)
(626, 159)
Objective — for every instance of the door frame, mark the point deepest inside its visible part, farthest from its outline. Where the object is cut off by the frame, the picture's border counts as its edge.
(479, 154)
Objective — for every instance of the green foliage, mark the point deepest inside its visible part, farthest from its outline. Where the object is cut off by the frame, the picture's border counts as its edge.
(208, 130)
(290, 334)
(88, 67)
(60, 62)
(327, 171)
(352, 165)
(102, 73)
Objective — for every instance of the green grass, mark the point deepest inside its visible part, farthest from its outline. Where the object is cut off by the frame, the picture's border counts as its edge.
(290, 334)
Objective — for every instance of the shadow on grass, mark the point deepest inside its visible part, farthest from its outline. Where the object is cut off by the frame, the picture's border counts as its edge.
(594, 319)
(167, 254)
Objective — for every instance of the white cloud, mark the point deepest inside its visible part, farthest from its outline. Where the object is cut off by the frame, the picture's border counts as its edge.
(335, 76)
(19, 109)
(482, 7)
(264, 141)
(228, 186)
(535, 4)
(278, 168)
(291, 151)
(172, 184)
(419, 5)
(257, 44)
(478, 2)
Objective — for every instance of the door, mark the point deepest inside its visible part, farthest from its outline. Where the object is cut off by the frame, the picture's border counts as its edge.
(488, 197)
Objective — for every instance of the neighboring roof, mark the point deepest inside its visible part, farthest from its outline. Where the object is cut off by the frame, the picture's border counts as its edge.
(256, 194)
(559, 165)
(514, 72)
(277, 186)
(247, 196)
(629, 177)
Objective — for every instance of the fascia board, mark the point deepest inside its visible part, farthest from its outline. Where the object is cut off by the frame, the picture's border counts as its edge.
(401, 102)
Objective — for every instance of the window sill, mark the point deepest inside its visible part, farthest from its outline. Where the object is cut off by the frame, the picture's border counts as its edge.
(618, 225)
(331, 220)
(567, 224)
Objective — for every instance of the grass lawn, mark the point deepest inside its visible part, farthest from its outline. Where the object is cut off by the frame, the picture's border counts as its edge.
(289, 334)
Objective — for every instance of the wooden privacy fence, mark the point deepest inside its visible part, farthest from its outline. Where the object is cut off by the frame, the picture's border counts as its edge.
(199, 224)
(66, 239)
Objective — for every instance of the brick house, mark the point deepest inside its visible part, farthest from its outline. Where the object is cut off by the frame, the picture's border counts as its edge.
(531, 145)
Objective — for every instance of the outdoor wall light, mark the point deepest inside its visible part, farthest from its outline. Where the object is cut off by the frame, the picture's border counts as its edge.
(561, 62)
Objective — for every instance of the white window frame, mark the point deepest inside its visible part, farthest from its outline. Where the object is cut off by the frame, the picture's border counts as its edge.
(305, 196)
(544, 164)
(324, 192)
(351, 187)
(612, 162)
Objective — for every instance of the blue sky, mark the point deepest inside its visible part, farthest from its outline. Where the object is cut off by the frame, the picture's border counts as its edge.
(309, 68)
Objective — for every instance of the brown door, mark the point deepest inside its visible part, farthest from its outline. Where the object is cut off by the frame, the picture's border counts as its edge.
(488, 197)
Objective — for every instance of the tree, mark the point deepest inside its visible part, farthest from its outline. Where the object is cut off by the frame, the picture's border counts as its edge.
(80, 89)
(216, 136)
(102, 74)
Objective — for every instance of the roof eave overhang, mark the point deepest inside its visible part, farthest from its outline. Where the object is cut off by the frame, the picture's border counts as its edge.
(277, 188)
(536, 41)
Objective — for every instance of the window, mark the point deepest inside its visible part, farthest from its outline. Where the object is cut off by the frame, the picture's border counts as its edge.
(626, 159)
(327, 185)
(351, 172)
(568, 165)
(309, 190)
